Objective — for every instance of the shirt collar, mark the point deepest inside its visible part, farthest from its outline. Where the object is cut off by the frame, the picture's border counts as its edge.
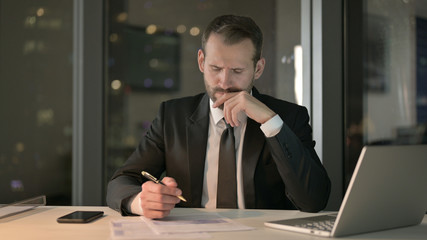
(217, 113)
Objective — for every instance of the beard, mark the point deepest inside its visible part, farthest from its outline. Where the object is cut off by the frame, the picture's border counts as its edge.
(211, 91)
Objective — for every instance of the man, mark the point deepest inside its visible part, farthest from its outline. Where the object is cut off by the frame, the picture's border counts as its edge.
(276, 165)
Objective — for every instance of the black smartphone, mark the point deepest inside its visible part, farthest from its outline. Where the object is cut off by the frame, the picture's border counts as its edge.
(80, 217)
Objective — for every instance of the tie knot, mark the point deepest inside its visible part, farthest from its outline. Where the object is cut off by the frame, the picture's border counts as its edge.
(228, 126)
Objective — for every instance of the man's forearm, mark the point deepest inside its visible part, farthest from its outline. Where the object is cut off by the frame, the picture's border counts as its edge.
(306, 181)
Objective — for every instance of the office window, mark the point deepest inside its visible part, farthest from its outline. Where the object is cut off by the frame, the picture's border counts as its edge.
(387, 102)
(152, 56)
(36, 100)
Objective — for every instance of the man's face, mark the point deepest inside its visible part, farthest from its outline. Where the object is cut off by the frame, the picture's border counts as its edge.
(228, 68)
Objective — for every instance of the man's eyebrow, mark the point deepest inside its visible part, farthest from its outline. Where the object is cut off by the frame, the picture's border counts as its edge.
(234, 69)
(213, 65)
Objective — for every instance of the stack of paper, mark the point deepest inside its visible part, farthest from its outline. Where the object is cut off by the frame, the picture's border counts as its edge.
(174, 227)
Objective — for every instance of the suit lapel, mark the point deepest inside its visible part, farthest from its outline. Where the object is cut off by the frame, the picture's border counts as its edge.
(197, 135)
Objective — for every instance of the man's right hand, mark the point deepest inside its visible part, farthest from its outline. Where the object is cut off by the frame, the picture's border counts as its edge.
(156, 200)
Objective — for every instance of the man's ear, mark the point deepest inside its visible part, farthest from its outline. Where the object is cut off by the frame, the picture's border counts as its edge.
(201, 60)
(259, 68)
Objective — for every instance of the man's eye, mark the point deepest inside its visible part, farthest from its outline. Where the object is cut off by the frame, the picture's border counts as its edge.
(237, 70)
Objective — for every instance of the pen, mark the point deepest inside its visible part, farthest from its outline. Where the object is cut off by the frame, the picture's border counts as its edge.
(152, 178)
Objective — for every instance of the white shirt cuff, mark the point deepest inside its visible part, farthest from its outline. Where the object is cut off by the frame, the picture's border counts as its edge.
(272, 127)
(134, 205)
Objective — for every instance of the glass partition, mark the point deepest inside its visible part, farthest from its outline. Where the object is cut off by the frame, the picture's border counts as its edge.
(388, 103)
(36, 100)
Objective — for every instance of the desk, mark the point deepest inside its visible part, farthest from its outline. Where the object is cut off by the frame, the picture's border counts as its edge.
(40, 223)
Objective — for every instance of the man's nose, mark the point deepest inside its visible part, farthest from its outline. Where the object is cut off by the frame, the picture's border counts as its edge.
(225, 80)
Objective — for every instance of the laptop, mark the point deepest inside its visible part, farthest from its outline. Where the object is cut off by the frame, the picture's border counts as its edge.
(388, 189)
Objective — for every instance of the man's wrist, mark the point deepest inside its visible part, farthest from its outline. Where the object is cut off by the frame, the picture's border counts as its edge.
(134, 205)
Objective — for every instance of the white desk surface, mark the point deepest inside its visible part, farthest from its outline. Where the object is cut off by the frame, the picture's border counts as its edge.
(40, 223)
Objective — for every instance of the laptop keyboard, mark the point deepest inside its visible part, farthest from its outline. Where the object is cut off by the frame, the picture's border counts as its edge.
(322, 223)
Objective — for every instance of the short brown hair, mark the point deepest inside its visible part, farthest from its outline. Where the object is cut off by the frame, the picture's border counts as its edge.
(235, 29)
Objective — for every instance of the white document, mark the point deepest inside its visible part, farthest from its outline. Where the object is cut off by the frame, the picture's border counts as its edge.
(207, 222)
(136, 228)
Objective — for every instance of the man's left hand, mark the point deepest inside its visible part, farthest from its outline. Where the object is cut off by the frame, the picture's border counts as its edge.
(235, 102)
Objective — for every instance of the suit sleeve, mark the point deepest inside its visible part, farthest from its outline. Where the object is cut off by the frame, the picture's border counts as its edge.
(306, 181)
(149, 156)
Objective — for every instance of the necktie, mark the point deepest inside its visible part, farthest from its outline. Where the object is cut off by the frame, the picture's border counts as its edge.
(227, 184)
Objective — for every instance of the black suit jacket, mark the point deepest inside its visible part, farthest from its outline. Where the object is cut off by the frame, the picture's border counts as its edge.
(281, 172)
